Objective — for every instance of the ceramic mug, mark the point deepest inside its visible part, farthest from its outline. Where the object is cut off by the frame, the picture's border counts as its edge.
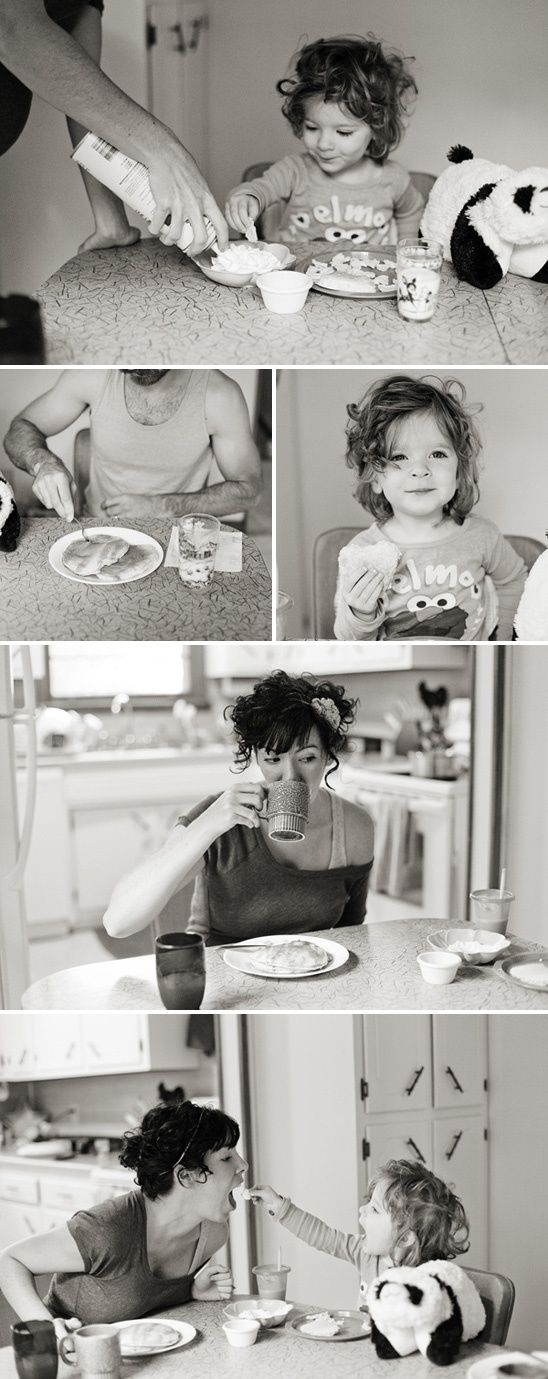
(287, 810)
(94, 1350)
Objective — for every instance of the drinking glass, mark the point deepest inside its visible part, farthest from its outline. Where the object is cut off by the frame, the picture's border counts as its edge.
(198, 537)
(35, 1349)
(180, 970)
(418, 270)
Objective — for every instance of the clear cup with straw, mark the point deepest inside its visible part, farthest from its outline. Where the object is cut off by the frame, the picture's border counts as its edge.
(272, 1279)
(491, 907)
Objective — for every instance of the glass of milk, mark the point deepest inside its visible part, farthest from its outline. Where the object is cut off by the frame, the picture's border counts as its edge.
(198, 537)
(418, 270)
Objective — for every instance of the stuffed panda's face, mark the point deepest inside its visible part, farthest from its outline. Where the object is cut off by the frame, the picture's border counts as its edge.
(406, 1300)
(519, 207)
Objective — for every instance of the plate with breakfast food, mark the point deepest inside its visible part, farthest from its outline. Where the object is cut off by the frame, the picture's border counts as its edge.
(332, 1326)
(352, 272)
(286, 955)
(528, 970)
(152, 1336)
(105, 555)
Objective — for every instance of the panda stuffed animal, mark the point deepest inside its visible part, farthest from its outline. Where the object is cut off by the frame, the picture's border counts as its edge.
(489, 219)
(10, 521)
(430, 1308)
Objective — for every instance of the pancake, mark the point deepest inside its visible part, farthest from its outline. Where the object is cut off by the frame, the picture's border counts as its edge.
(322, 1325)
(144, 1336)
(89, 555)
(295, 956)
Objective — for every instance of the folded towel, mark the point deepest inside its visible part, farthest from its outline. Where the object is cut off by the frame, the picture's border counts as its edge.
(391, 843)
(228, 558)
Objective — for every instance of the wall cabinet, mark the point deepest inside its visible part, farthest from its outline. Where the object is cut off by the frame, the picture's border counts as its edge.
(86, 1045)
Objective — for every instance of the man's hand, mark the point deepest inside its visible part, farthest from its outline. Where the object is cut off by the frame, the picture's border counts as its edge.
(181, 192)
(214, 1281)
(55, 488)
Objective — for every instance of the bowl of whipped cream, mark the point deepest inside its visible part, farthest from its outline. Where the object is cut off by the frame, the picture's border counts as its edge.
(471, 945)
(242, 262)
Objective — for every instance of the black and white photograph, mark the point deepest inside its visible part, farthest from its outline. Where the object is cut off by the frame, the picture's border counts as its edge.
(136, 503)
(285, 1182)
(412, 505)
(250, 183)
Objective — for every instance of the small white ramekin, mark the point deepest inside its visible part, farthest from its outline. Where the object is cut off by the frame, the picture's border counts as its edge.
(284, 291)
(241, 1332)
(439, 968)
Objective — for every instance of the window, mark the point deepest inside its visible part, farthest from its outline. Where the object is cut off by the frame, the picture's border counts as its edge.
(96, 671)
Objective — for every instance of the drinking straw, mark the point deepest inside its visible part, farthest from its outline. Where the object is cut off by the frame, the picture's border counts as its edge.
(279, 1256)
(502, 883)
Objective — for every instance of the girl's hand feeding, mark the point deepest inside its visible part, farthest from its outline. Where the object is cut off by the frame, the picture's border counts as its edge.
(266, 1195)
(241, 212)
(213, 1281)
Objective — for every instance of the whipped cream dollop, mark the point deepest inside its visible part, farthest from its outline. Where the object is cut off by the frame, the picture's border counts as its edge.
(242, 257)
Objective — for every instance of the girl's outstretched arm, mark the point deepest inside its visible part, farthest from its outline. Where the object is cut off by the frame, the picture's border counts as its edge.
(138, 898)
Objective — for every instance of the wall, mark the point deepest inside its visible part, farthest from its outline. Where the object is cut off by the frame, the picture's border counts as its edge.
(314, 485)
(527, 796)
(518, 1201)
(473, 64)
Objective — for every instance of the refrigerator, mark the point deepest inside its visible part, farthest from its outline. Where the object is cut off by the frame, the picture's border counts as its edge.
(15, 825)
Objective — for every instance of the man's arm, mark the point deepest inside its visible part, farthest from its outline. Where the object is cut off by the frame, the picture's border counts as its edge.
(237, 458)
(26, 441)
(56, 68)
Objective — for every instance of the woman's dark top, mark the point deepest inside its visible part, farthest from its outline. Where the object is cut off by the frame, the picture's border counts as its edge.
(15, 97)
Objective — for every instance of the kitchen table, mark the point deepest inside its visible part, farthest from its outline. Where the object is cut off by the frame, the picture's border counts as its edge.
(381, 974)
(36, 604)
(151, 304)
(276, 1350)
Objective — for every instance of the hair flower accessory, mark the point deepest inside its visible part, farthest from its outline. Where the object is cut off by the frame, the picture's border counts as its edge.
(327, 708)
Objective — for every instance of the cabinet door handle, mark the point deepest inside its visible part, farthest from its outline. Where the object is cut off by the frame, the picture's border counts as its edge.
(454, 1079)
(70, 1049)
(416, 1150)
(93, 1049)
(418, 1073)
(449, 1152)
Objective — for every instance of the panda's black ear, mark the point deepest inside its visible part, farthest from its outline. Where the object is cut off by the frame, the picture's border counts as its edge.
(523, 198)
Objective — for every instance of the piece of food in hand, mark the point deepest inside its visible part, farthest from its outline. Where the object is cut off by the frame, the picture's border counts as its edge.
(358, 557)
(297, 955)
(321, 1324)
(144, 1336)
(89, 555)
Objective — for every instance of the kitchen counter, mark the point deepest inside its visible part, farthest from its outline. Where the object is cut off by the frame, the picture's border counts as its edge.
(276, 1350)
(381, 974)
(154, 302)
(39, 605)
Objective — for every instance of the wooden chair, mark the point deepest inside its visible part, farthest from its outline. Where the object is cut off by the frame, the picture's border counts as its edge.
(325, 560)
(497, 1293)
(268, 224)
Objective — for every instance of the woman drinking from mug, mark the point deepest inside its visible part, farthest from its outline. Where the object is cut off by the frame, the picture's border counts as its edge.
(143, 1251)
(248, 881)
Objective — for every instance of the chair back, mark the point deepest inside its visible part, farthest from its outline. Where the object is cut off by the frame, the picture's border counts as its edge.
(497, 1293)
(527, 547)
(269, 222)
(325, 561)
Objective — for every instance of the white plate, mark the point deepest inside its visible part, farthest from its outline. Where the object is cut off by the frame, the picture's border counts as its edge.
(355, 1326)
(510, 968)
(243, 961)
(335, 288)
(152, 555)
(490, 1367)
(186, 1334)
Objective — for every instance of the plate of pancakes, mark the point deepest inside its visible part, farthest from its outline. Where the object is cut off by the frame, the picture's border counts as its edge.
(105, 555)
(153, 1336)
(286, 955)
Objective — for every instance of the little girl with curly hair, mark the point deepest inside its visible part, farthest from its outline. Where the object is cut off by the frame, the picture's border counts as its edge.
(346, 98)
(246, 883)
(426, 567)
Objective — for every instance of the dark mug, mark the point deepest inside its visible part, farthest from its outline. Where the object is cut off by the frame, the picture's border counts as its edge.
(35, 1349)
(21, 335)
(180, 970)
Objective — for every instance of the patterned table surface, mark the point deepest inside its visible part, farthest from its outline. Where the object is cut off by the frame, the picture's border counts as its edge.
(279, 1349)
(36, 604)
(150, 304)
(381, 974)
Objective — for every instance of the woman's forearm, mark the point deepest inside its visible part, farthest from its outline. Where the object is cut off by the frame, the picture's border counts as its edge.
(18, 1285)
(139, 897)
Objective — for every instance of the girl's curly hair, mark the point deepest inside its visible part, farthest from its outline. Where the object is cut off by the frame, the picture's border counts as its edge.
(372, 436)
(175, 1138)
(372, 82)
(420, 1202)
(279, 714)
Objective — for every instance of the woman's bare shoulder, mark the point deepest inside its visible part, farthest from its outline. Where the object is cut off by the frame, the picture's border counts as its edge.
(359, 833)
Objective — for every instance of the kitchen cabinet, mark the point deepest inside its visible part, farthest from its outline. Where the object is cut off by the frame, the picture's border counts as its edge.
(18, 1220)
(398, 1069)
(85, 1045)
(397, 1139)
(460, 1060)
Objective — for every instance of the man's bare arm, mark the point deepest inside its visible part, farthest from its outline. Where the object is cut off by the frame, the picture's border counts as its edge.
(26, 441)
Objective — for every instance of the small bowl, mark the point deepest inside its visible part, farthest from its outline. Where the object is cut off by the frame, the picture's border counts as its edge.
(275, 1311)
(482, 945)
(439, 968)
(240, 1332)
(284, 292)
(206, 262)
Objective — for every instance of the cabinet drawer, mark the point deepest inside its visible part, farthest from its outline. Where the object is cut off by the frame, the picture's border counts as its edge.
(17, 1187)
(68, 1197)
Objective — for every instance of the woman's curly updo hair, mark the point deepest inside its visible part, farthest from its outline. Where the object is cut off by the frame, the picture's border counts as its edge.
(421, 1203)
(372, 436)
(279, 714)
(173, 1139)
(372, 82)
